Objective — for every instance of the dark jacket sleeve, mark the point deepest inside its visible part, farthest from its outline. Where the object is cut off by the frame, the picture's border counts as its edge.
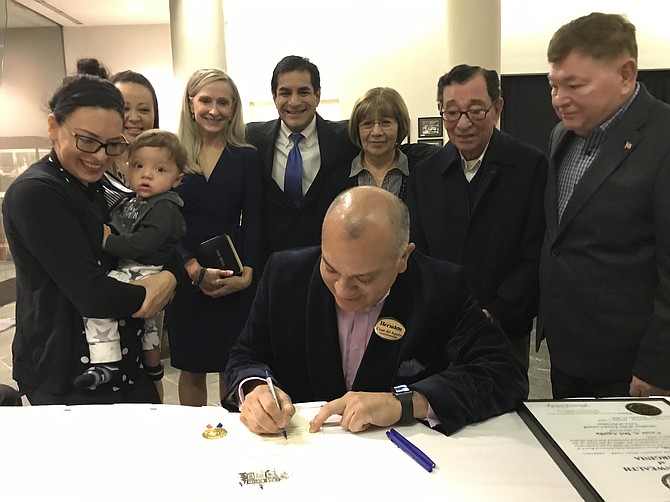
(519, 291)
(46, 223)
(483, 378)
(651, 363)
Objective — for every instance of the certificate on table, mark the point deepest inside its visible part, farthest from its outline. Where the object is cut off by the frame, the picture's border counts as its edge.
(610, 449)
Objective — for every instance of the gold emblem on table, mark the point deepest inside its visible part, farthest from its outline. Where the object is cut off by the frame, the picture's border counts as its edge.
(214, 433)
(389, 328)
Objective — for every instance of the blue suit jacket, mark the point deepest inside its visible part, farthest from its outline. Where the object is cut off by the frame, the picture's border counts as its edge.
(450, 352)
(605, 269)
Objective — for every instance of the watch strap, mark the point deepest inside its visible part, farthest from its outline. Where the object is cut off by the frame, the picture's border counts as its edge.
(404, 394)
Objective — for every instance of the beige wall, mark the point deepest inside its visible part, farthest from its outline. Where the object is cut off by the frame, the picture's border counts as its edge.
(357, 44)
(352, 54)
(33, 67)
(142, 48)
(527, 26)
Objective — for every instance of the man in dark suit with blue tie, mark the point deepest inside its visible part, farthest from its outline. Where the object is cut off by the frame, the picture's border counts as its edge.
(298, 152)
(605, 263)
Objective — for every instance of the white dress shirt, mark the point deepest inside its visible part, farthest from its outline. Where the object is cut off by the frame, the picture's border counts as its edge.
(470, 167)
(309, 150)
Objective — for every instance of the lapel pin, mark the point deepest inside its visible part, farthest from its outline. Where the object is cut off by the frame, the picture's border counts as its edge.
(628, 145)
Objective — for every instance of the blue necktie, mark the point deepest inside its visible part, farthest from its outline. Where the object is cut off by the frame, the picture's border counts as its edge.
(293, 176)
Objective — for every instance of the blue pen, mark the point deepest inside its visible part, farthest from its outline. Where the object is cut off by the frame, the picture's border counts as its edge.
(405, 445)
(271, 386)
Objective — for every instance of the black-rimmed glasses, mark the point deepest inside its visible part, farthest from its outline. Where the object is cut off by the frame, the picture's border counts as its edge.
(92, 145)
(473, 114)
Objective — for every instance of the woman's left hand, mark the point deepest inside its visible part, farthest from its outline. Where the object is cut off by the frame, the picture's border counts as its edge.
(159, 291)
(228, 285)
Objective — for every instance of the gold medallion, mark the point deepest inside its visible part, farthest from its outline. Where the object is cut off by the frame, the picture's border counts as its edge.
(214, 433)
(389, 329)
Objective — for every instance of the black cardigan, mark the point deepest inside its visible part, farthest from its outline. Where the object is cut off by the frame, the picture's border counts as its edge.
(54, 227)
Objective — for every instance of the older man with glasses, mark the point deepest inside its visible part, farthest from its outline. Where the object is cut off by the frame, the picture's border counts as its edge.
(479, 202)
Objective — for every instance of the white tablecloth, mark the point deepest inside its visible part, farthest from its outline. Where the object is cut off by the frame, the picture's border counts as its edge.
(157, 453)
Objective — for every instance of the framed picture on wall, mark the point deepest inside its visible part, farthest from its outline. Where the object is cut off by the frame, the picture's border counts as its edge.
(430, 127)
(437, 141)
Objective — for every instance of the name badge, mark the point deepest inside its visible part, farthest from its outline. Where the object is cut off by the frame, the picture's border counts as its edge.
(389, 329)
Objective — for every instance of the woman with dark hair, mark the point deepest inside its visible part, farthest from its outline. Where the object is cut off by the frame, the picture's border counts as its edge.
(146, 106)
(113, 181)
(140, 111)
(53, 217)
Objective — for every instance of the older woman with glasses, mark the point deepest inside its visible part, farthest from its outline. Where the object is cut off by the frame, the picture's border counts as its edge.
(379, 123)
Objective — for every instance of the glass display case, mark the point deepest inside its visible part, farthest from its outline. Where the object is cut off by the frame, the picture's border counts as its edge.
(14, 161)
(16, 155)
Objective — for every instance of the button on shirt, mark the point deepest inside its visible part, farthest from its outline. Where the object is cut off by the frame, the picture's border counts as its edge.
(309, 150)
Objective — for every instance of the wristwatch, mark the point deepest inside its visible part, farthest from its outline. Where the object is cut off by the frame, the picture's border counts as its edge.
(404, 394)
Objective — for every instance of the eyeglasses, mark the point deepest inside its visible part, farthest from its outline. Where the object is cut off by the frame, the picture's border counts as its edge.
(368, 124)
(473, 114)
(92, 145)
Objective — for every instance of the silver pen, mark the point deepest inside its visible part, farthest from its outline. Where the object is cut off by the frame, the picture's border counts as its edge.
(271, 386)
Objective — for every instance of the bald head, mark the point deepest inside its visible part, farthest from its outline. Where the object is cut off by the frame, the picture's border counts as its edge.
(364, 246)
(362, 209)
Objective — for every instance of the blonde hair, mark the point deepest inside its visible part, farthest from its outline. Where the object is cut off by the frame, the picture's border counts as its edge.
(189, 132)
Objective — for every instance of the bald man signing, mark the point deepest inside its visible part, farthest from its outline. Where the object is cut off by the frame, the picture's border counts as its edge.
(383, 333)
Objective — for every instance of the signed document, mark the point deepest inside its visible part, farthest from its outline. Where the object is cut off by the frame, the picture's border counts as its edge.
(610, 449)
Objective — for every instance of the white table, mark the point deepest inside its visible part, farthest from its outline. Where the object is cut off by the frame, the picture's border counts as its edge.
(146, 452)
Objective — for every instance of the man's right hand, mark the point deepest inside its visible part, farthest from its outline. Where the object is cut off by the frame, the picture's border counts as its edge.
(260, 413)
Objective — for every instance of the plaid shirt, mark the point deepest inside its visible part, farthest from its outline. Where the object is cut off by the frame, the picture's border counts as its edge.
(580, 154)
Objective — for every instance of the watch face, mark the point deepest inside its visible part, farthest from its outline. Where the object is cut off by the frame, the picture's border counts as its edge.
(401, 389)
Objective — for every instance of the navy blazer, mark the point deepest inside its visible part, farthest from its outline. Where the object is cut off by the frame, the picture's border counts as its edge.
(285, 226)
(605, 269)
(498, 241)
(450, 352)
